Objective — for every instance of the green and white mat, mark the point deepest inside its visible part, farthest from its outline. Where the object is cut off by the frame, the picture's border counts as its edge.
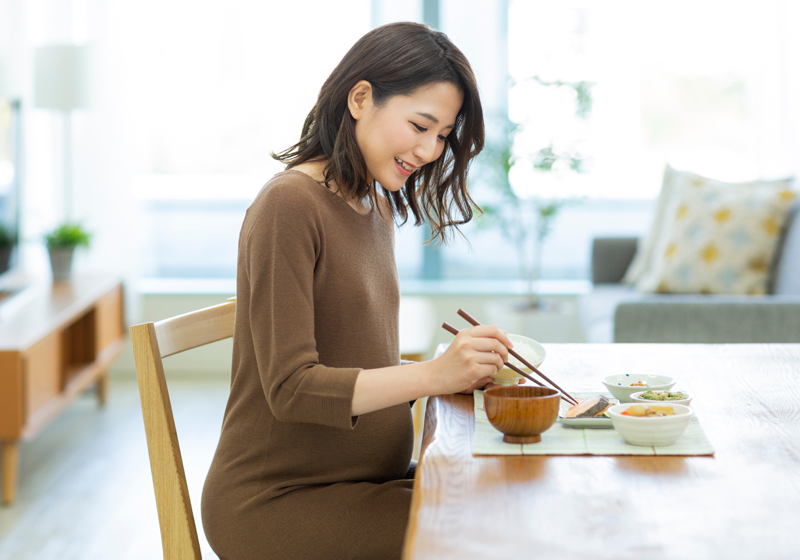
(563, 440)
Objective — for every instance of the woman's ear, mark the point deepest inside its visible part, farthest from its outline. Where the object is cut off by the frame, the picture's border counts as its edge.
(359, 100)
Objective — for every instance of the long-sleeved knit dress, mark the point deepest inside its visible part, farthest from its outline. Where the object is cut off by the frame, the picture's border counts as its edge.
(294, 475)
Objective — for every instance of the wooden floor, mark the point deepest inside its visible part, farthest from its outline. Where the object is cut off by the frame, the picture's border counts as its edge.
(85, 490)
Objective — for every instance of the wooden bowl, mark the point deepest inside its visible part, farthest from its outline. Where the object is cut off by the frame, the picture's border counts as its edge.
(522, 413)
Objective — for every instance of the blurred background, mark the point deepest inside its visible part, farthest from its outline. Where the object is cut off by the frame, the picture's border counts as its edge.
(176, 106)
(185, 101)
(151, 124)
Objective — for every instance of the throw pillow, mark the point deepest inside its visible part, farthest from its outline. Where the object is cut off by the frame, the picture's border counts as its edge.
(643, 259)
(718, 238)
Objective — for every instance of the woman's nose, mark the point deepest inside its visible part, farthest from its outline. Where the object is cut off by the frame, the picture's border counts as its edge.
(426, 149)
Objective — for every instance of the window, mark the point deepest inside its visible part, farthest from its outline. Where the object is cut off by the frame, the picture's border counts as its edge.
(701, 86)
(704, 86)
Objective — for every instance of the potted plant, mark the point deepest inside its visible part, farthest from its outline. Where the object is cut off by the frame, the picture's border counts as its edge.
(527, 218)
(61, 243)
(525, 214)
(7, 241)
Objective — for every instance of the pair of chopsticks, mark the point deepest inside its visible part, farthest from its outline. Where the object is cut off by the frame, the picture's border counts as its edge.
(471, 320)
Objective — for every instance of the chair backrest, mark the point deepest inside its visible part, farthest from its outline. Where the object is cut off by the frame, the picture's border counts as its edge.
(152, 342)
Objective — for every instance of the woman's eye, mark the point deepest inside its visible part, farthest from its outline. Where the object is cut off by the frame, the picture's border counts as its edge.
(443, 138)
(419, 128)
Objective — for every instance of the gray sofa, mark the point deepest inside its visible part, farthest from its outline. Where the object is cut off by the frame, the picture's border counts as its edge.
(614, 312)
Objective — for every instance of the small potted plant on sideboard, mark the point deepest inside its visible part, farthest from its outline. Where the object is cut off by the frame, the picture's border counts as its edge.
(61, 243)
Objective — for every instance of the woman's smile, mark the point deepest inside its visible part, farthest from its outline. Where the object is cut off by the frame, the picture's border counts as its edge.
(406, 169)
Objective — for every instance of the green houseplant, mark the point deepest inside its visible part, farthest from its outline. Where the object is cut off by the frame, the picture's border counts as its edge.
(527, 219)
(61, 244)
(7, 241)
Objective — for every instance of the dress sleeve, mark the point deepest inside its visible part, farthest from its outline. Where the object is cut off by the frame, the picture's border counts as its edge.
(281, 250)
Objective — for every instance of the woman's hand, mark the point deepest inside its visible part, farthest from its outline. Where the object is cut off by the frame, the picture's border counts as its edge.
(483, 384)
(473, 357)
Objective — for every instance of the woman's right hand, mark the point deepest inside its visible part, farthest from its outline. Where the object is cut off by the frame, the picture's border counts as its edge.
(474, 355)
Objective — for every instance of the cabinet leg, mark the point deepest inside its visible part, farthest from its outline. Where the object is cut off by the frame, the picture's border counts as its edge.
(9, 459)
(102, 388)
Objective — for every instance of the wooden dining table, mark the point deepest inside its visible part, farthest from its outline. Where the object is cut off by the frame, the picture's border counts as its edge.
(741, 502)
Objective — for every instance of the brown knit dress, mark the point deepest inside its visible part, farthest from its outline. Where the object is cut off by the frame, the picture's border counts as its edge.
(294, 475)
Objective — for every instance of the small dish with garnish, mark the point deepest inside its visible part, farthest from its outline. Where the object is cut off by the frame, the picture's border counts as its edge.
(655, 397)
(622, 386)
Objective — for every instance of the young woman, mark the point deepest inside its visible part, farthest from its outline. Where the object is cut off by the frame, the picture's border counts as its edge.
(314, 458)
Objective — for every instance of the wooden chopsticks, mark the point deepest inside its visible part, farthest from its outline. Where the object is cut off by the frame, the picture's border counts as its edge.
(470, 319)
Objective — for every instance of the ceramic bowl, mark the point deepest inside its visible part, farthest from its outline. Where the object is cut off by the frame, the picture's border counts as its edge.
(521, 413)
(656, 431)
(508, 376)
(620, 385)
(637, 398)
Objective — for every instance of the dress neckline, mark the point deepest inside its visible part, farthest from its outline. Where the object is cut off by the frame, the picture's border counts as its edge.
(331, 193)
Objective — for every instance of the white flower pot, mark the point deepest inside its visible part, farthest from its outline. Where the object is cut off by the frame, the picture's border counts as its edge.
(61, 263)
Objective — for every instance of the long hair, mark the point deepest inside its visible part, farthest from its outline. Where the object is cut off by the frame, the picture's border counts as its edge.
(397, 59)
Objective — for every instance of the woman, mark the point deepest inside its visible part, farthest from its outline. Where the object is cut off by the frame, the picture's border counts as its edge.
(314, 458)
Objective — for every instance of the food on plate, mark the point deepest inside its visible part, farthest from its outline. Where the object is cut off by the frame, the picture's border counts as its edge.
(643, 411)
(639, 384)
(663, 396)
(589, 408)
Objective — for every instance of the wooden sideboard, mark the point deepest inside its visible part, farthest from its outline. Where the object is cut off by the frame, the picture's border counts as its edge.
(59, 344)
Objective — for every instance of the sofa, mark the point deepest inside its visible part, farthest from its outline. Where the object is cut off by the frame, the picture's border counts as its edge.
(615, 312)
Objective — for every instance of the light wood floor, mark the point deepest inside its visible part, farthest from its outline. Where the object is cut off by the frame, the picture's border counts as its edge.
(85, 490)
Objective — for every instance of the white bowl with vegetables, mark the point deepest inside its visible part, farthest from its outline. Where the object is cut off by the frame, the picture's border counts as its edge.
(623, 385)
(662, 397)
(655, 425)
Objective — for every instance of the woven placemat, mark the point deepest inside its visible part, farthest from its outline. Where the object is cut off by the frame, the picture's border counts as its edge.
(563, 440)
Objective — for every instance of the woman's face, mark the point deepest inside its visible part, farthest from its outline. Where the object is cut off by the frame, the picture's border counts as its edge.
(406, 133)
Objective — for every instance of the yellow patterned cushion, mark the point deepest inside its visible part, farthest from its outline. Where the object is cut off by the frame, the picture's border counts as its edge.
(718, 238)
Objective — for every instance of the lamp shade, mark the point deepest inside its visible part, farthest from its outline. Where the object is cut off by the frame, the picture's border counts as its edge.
(61, 77)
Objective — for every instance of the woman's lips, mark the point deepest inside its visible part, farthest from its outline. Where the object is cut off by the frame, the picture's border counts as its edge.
(405, 172)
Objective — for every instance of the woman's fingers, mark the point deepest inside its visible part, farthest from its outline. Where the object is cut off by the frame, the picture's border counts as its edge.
(491, 331)
(485, 339)
(480, 384)
(490, 345)
(476, 353)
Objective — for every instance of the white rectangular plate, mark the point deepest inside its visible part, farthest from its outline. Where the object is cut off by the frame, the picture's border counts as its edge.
(588, 423)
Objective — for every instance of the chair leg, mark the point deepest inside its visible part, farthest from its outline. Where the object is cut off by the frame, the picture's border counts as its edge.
(9, 459)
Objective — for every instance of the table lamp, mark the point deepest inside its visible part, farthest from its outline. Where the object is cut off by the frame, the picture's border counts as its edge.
(61, 84)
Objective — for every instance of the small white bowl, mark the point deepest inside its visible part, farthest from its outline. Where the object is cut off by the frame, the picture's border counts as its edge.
(656, 431)
(508, 376)
(620, 385)
(637, 398)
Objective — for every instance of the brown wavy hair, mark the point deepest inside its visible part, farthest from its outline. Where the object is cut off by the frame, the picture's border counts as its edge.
(397, 59)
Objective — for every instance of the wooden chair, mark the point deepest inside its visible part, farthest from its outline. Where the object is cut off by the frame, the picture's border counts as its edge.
(152, 342)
